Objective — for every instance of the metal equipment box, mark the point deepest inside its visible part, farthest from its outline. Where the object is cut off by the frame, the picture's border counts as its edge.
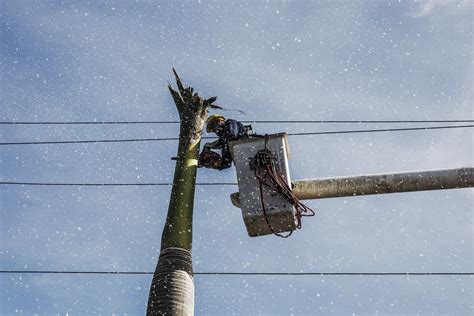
(274, 214)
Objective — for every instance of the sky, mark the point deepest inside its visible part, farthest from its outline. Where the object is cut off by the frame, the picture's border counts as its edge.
(275, 60)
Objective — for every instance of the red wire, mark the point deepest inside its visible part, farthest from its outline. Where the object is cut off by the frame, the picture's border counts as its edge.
(265, 211)
(278, 183)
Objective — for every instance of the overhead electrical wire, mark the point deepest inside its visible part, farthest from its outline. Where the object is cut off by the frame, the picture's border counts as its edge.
(289, 134)
(92, 141)
(248, 273)
(243, 121)
(199, 184)
(108, 184)
(225, 183)
(381, 130)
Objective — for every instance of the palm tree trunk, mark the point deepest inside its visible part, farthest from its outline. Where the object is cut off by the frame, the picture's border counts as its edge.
(172, 287)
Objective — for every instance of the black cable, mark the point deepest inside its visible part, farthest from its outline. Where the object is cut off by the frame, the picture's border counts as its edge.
(92, 141)
(290, 134)
(382, 130)
(107, 184)
(249, 273)
(356, 121)
(245, 121)
(87, 122)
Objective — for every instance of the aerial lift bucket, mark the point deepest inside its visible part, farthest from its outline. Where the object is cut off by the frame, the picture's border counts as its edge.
(265, 210)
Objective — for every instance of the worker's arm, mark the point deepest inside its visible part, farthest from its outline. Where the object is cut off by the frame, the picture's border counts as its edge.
(213, 145)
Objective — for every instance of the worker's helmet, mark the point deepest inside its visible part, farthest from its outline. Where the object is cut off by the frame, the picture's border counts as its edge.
(213, 121)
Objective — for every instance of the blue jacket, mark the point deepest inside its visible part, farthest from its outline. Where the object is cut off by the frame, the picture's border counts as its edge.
(232, 130)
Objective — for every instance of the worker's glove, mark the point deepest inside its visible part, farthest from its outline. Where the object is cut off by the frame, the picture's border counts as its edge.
(202, 161)
(209, 159)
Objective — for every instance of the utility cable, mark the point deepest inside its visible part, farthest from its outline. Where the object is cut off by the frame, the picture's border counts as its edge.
(248, 273)
(289, 134)
(93, 141)
(267, 174)
(381, 130)
(245, 121)
(108, 184)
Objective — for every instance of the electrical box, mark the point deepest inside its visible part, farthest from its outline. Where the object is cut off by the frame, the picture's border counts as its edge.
(265, 211)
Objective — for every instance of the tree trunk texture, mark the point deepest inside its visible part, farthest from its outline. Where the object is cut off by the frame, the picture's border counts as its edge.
(172, 288)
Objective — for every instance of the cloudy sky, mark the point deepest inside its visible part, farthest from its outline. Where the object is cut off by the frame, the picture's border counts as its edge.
(301, 60)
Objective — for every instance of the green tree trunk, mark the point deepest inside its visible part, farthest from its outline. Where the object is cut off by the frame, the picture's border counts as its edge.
(172, 287)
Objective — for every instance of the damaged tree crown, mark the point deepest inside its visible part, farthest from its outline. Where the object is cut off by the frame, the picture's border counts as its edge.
(192, 111)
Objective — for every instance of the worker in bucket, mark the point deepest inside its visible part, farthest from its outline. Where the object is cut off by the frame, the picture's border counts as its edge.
(227, 130)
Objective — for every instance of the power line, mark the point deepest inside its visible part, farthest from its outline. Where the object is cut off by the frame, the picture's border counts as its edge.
(382, 130)
(108, 184)
(244, 121)
(248, 273)
(93, 141)
(290, 134)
